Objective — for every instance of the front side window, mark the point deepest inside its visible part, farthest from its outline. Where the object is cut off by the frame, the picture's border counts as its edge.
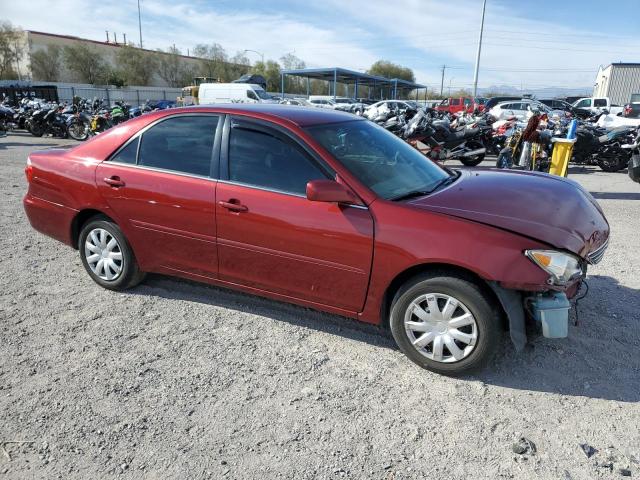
(455, 101)
(380, 160)
(262, 94)
(268, 161)
(252, 95)
(181, 144)
(586, 103)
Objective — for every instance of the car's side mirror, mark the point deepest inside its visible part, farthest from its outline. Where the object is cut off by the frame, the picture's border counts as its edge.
(329, 191)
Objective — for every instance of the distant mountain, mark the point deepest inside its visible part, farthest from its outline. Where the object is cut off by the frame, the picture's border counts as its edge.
(546, 92)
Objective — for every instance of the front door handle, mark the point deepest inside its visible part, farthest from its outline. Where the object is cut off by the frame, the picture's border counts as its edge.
(233, 205)
(114, 181)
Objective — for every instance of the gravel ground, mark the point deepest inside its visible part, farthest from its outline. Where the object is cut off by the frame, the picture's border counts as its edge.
(178, 380)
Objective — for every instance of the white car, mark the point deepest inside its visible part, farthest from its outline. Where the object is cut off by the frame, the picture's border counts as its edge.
(374, 110)
(322, 103)
(521, 109)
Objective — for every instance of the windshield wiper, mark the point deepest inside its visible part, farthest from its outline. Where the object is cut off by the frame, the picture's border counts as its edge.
(411, 194)
(422, 193)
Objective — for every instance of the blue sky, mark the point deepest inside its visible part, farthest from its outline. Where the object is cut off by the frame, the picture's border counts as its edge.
(527, 43)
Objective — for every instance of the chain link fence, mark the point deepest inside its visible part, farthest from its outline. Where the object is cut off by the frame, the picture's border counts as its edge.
(131, 95)
(110, 93)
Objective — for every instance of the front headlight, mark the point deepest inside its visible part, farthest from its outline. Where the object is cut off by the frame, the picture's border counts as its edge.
(562, 267)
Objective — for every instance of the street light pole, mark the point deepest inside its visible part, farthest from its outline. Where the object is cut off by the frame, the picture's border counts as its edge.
(475, 75)
(255, 51)
(139, 23)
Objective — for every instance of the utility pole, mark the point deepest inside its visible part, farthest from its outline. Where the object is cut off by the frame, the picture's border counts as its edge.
(442, 81)
(475, 75)
(139, 23)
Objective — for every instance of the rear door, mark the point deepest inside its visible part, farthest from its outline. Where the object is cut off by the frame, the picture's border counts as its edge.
(271, 238)
(161, 189)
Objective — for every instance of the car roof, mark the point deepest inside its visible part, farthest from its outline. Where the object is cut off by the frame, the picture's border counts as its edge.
(302, 117)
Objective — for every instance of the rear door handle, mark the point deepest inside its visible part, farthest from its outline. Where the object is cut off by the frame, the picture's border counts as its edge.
(114, 181)
(233, 205)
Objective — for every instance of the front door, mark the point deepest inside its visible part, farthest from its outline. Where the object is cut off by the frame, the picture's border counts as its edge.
(161, 188)
(271, 238)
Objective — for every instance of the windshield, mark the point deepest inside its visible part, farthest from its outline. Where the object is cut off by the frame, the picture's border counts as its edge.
(262, 94)
(380, 160)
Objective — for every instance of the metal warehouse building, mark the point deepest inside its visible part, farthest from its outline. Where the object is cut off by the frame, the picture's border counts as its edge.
(618, 81)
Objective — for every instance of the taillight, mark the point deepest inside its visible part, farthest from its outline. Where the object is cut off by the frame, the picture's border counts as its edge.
(28, 170)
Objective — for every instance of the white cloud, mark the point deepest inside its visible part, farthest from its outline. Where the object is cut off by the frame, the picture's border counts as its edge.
(421, 34)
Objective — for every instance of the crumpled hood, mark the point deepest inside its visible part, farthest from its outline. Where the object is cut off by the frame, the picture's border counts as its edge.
(550, 209)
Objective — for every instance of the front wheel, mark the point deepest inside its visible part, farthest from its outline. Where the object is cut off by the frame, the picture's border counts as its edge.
(446, 324)
(107, 256)
(36, 129)
(78, 130)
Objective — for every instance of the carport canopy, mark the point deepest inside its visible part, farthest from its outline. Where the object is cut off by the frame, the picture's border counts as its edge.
(350, 77)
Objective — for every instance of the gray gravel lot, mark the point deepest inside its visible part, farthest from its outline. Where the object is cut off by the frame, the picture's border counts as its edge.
(178, 380)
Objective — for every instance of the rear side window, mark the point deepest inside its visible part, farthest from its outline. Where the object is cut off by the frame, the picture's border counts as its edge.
(264, 160)
(599, 102)
(182, 144)
(128, 153)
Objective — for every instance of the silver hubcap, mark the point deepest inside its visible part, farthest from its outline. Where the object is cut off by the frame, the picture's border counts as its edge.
(103, 254)
(441, 328)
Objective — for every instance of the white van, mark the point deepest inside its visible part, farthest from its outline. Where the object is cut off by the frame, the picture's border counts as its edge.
(232, 93)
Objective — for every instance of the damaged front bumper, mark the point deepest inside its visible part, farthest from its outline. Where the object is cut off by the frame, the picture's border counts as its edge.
(549, 309)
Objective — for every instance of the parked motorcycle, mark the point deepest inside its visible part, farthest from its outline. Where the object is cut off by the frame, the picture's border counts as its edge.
(47, 120)
(443, 143)
(634, 161)
(597, 146)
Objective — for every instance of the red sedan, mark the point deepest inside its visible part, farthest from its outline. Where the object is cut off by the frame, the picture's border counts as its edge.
(326, 210)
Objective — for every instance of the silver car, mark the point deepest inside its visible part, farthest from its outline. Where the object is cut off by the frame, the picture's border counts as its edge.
(521, 109)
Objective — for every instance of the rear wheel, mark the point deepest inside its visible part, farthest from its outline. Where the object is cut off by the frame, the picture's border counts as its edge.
(613, 161)
(476, 159)
(107, 256)
(446, 324)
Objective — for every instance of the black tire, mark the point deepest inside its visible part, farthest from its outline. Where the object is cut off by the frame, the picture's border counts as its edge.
(613, 163)
(130, 275)
(476, 300)
(37, 130)
(78, 130)
(476, 160)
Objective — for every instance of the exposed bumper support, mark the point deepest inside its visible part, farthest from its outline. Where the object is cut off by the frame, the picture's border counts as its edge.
(511, 301)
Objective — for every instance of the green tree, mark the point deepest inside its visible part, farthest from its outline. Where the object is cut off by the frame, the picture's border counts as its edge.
(295, 84)
(45, 64)
(291, 62)
(239, 64)
(136, 66)
(10, 52)
(270, 70)
(384, 68)
(86, 62)
(172, 69)
(213, 62)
